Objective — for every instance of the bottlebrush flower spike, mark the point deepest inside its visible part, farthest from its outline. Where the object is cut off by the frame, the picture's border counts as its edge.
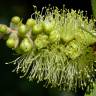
(67, 62)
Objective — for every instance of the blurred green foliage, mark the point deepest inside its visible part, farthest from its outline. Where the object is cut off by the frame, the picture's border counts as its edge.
(93, 4)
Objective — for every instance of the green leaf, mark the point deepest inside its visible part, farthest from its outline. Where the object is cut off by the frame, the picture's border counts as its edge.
(93, 92)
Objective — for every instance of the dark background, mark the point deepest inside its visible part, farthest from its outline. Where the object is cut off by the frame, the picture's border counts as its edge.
(24, 8)
(10, 84)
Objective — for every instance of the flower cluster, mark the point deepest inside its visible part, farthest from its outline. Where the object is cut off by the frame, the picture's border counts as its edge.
(55, 47)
